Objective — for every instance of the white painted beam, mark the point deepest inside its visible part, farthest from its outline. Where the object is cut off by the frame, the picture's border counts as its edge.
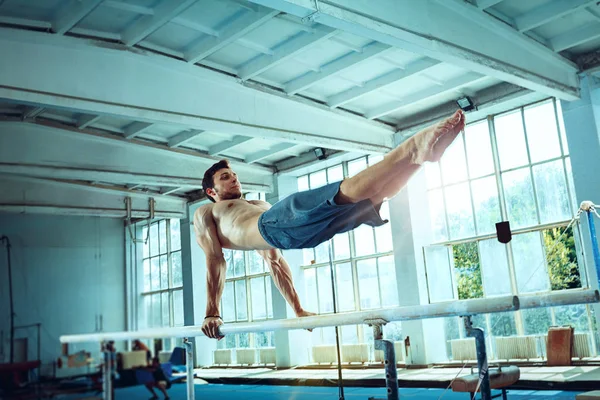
(549, 12)
(452, 84)
(183, 137)
(132, 8)
(86, 120)
(228, 145)
(380, 82)
(136, 128)
(72, 13)
(49, 196)
(154, 89)
(237, 29)
(483, 4)
(576, 37)
(452, 31)
(33, 112)
(335, 67)
(30, 23)
(163, 13)
(290, 49)
(261, 155)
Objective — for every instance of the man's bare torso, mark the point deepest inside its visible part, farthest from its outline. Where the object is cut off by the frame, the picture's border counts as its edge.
(236, 222)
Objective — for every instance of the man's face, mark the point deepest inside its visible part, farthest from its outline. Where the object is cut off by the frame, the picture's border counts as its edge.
(227, 186)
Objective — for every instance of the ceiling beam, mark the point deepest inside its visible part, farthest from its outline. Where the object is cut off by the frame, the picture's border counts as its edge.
(452, 31)
(261, 155)
(33, 112)
(305, 159)
(549, 12)
(72, 13)
(86, 120)
(183, 137)
(380, 82)
(576, 37)
(228, 145)
(335, 67)
(148, 24)
(136, 128)
(483, 4)
(285, 51)
(452, 84)
(235, 30)
(150, 88)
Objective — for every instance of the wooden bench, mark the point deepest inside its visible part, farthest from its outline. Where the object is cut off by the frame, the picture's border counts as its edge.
(500, 378)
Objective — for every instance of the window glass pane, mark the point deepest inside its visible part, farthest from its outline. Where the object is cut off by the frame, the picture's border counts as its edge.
(574, 204)
(551, 190)
(437, 215)
(228, 255)
(256, 263)
(345, 287)
(322, 253)
(243, 340)
(511, 140)
(393, 331)
(238, 263)
(388, 281)
(177, 271)
(175, 235)
(328, 335)
(452, 332)
(561, 256)
(374, 159)
(303, 183)
(349, 334)
(467, 270)
(261, 339)
(310, 289)
(318, 179)
(147, 276)
(367, 284)
(335, 173)
(257, 287)
(166, 309)
(433, 176)
(494, 267)
(155, 273)
(178, 308)
(355, 166)
(227, 303)
(164, 272)
(536, 320)
(363, 240)
(460, 212)
(487, 206)
(156, 311)
(530, 263)
(147, 311)
(325, 295)
(383, 238)
(308, 256)
(241, 305)
(146, 244)
(479, 150)
(439, 277)
(231, 341)
(503, 324)
(341, 246)
(520, 204)
(162, 236)
(575, 315)
(154, 240)
(454, 162)
(269, 297)
(561, 126)
(542, 135)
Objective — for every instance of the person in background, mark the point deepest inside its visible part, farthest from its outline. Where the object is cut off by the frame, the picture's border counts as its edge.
(161, 382)
(139, 345)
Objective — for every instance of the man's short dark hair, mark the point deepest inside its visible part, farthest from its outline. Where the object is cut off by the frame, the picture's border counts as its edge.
(208, 182)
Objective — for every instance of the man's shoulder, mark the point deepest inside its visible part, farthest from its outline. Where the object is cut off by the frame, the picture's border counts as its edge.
(203, 212)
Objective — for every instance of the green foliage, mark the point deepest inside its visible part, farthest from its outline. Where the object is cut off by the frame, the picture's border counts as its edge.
(561, 257)
(468, 270)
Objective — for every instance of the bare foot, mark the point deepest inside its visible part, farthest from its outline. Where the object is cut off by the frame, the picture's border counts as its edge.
(431, 142)
(304, 313)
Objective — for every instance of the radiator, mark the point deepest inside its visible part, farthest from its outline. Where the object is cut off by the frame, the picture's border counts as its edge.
(266, 355)
(517, 348)
(245, 356)
(398, 349)
(324, 354)
(463, 349)
(355, 352)
(222, 356)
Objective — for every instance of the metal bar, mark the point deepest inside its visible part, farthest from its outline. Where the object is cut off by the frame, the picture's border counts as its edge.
(189, 368)
(594, 244)
(482, 362)
(389, 360)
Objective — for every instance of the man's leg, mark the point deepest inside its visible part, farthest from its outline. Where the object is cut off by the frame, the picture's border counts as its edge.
(151, 389)
(386, 178)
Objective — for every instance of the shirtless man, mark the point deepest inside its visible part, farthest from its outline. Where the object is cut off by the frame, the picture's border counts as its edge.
(304, 219)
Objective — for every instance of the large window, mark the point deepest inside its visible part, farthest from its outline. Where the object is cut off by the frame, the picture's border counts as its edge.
(365, 274)
(514, 167)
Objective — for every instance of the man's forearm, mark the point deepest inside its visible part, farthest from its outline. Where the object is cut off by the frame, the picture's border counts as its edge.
(282, 276)
(215, 282)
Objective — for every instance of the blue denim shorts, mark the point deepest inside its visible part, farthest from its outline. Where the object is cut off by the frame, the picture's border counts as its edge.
(306, 219)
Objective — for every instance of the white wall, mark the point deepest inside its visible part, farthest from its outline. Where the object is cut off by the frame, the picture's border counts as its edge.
(68, 274)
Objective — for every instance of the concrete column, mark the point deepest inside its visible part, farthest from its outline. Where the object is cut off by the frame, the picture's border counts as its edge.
(582, 120)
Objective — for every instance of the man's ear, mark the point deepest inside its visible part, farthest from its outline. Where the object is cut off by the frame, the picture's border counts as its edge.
(211, 192)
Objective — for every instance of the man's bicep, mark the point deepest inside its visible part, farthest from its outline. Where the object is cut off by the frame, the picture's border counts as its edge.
(206, 234)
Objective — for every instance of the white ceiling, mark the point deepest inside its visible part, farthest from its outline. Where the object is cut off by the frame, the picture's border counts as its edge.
(157, 90)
